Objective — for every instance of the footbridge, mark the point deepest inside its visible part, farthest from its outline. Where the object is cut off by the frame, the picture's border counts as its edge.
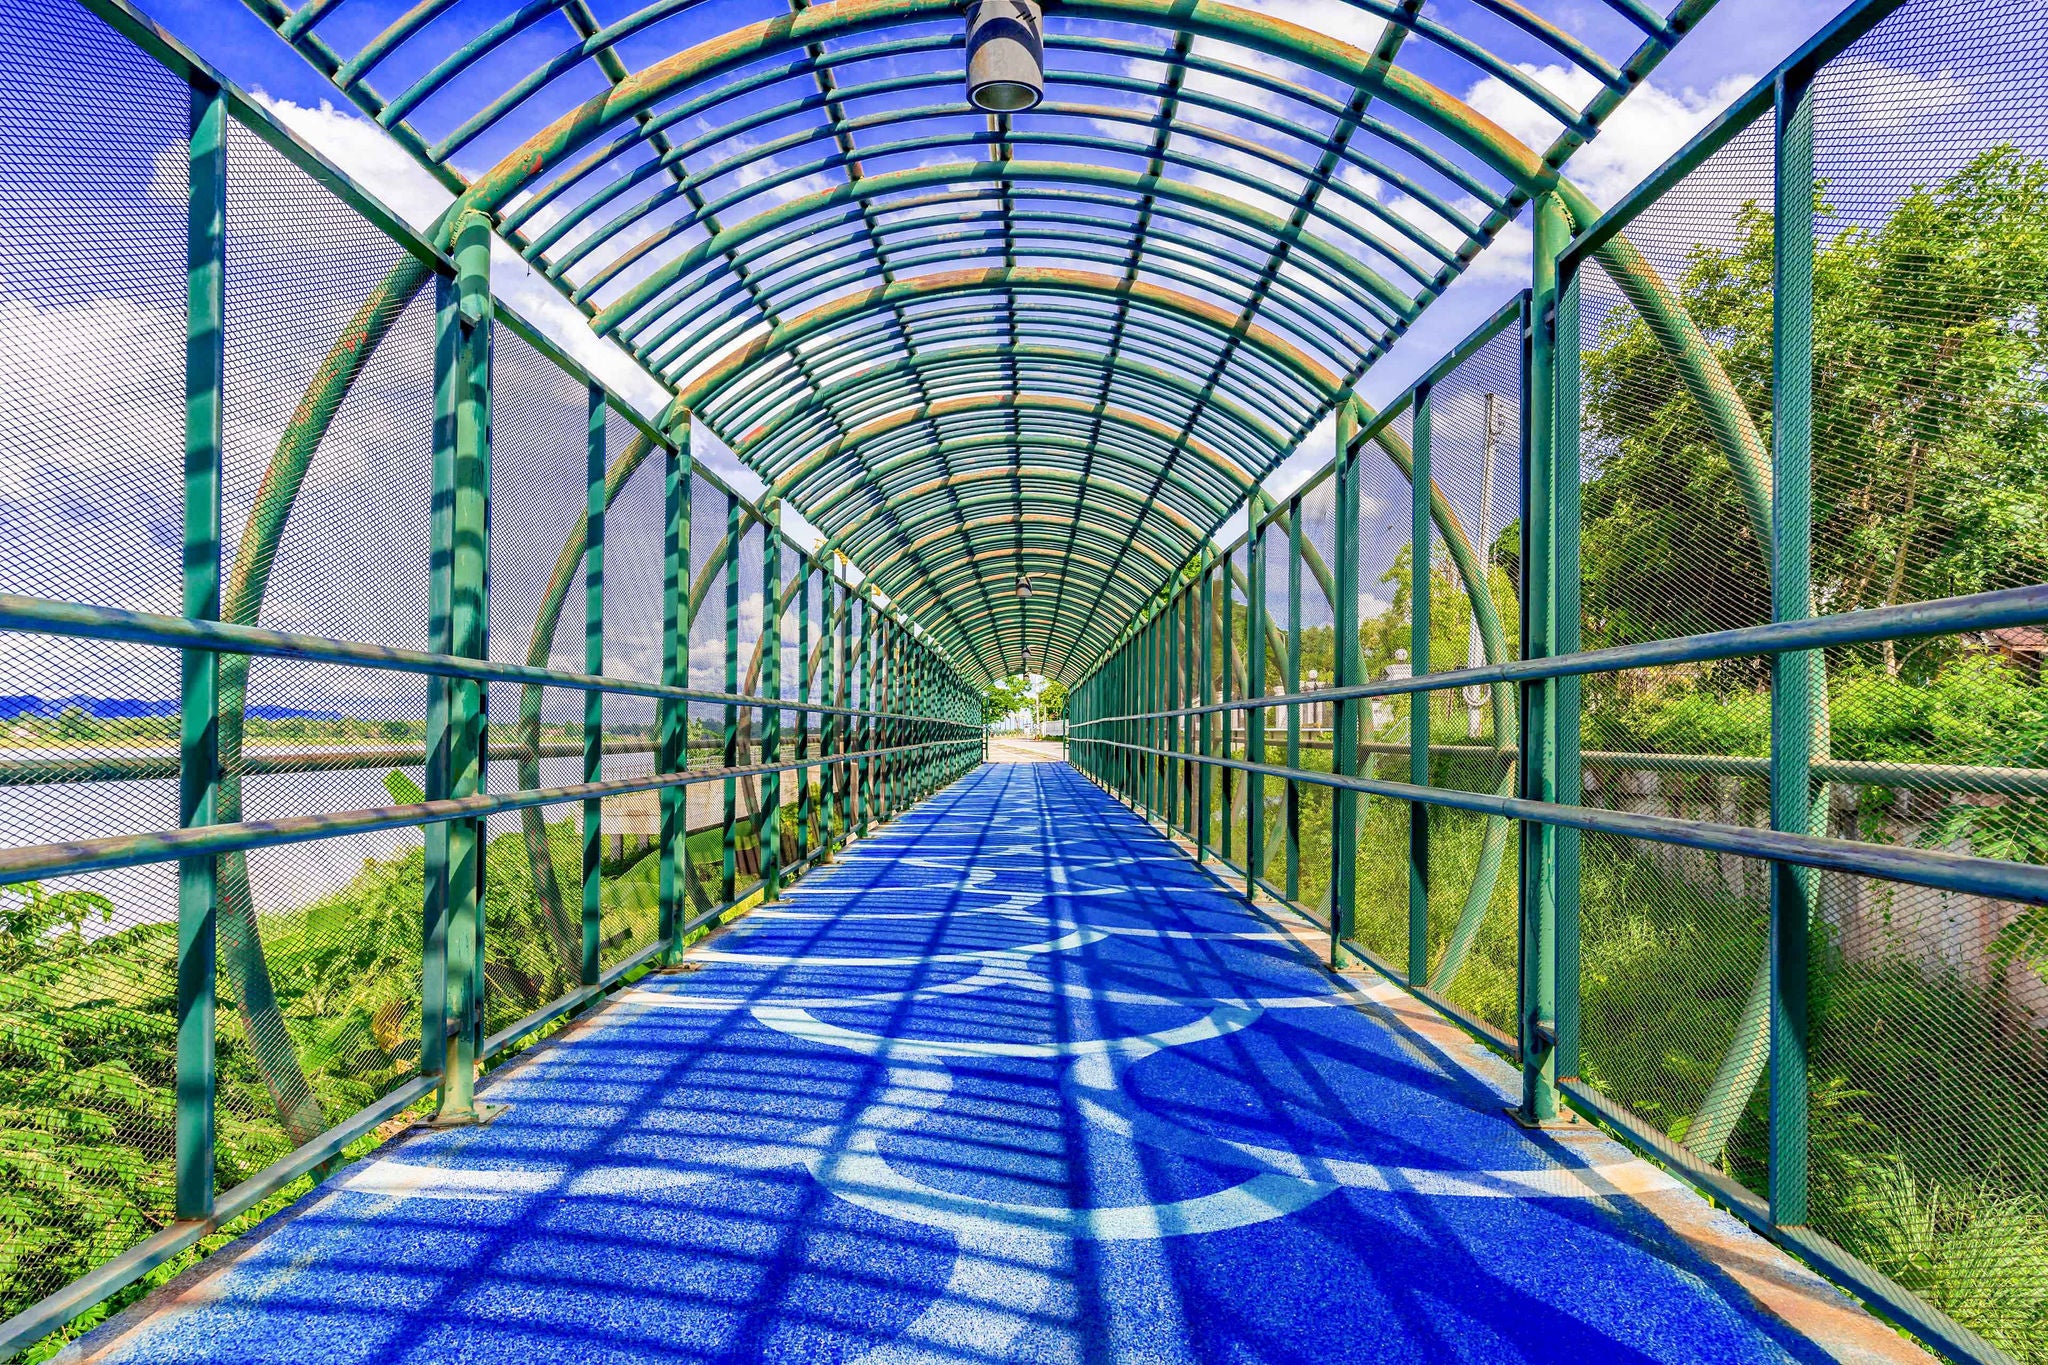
(537, 534)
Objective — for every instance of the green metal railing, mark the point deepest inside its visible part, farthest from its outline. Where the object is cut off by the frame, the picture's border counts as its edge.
(1790, 1040)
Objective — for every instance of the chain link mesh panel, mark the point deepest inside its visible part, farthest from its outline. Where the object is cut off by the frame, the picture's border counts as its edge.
(1930, 479)
(747, 617)
(1317, 634)
(705, 741)
(1385, 594)
(326, 531)
(533, 875)
(1273, 791)
(635, 570)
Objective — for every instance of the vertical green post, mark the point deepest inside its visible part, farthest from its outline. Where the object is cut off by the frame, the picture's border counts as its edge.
(842, 726)
(1172, 678)
(1148, 702)
(679, 480)
(729, 852)
(1293, 685)
(199, 670)
(1185, 740)
(1538, 996)
(862, 772)
(1350, 669)
(434, 925)
(1794, 697)
(593, 662)
(885, 726)
(1565, 639)
(1206, 663)
(1226, 629)
(768, 813)
(801, 749)
(1255, 684)
(885, 723)
(467, 618)
(1420, 546)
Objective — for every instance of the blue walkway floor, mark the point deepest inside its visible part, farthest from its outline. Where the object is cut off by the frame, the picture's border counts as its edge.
(1013, 1081)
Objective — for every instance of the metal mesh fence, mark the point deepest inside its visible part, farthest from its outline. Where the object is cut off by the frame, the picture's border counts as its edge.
(1931, 177)
(1385, 595)
(1316, 638)
(325, 532)
(635, 566)
(746, 600)
(533, 867)
(1234, 620)
(1673, 1026)
(1475, 462)
(1273, 793)
(705, 736)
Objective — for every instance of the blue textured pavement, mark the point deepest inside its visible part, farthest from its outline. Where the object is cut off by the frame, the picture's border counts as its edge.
(1013, 1081)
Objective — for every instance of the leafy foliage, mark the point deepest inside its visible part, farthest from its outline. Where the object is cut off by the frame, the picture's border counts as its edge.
(1930, 417)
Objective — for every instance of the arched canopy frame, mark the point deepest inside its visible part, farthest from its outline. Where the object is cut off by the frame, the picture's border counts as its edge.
(801, 225)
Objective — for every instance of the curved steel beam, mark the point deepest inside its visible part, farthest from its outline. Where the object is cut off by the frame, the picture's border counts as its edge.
(786, 335)
(1235, 475)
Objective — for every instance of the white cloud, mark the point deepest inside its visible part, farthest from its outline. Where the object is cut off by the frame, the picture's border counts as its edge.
(1651, 124)
(369, 156)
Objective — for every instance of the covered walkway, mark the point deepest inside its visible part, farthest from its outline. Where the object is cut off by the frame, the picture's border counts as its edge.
(1014, 1080)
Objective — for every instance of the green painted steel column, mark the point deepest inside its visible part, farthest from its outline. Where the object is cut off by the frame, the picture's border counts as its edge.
(1293, 685)
(1350, 671)
(1565, 637)
(1184, 738)
(1138, 732)
(467, 618)
(1794, 695)
(728, 858)
(1255, 685)
(440, 691)
(864, 743)
(1420, 545)
(199, 670)
(593, 662)
(1226, 628)
(768, 811)
(679, 484)
(885, 705)
(885, 728)
(1204, 774)
(837, 811)
(801, 746)
(1175, 770)
(1538, 996)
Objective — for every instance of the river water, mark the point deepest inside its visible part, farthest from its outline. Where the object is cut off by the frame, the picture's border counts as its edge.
(281, 878)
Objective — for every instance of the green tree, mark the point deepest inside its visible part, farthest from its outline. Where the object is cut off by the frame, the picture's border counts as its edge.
(1930, 417)
(1052, 701)
(1003, 698)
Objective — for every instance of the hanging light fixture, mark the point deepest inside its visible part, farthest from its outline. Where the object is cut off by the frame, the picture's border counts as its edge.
(1024, 587)
(1005, 55)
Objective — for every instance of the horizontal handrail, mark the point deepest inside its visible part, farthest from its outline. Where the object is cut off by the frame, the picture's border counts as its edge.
(77, 620)
(1948, 777)
(203, 841)
(1945, 616)
(1961, 872)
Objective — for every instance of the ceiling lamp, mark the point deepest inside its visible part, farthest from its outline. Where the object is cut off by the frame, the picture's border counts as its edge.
(1024, 588)
(1005, 55)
